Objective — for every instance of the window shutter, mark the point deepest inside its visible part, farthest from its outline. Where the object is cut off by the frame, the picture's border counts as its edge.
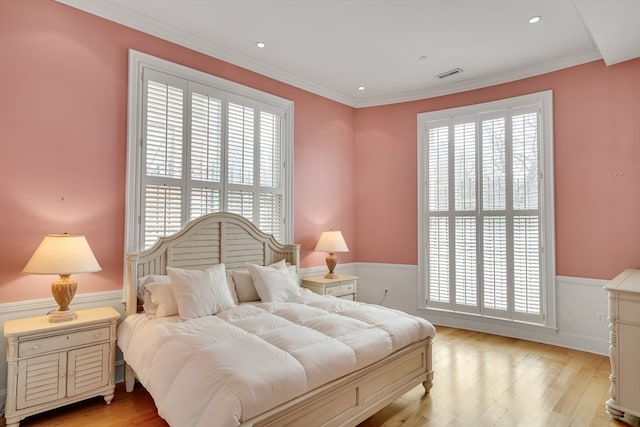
(466, 262)
(438, 160)
(526, 276)
(439, 259)
(241, 203)
(163, 212)
(270, 150)
(465, 166)
(206, 138)
(525, 161)
(164, 133)
(241, 144)
(204, 201)
(493, 164)
(270, 215)
(495, 285)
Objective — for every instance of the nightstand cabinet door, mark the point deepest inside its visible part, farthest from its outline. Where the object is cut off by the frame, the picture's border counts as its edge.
(41, 380)
(88, 369)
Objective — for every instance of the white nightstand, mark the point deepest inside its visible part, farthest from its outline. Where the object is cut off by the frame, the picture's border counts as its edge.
(344, 286)
(54, 364)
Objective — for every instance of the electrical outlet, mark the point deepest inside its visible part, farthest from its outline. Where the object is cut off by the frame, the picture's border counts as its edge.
(600, 317)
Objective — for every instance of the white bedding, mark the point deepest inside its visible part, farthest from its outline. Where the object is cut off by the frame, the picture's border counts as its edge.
(225, 369)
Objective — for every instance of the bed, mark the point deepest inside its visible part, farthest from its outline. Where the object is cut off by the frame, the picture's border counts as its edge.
(293, 358)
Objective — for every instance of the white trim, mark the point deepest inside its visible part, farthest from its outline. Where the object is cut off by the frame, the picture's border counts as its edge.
(128, 18)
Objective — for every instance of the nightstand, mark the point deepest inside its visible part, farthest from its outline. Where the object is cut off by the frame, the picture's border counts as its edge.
(344, 286)
(54, 364)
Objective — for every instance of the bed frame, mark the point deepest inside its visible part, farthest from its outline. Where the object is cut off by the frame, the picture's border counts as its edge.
(231, 239)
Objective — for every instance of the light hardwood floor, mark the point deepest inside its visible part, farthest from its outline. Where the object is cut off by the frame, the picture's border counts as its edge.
(480, 380)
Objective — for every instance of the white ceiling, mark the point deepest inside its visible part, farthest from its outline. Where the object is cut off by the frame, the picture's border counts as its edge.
(330, 47)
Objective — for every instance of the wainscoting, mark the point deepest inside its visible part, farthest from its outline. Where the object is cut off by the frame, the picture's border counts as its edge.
(581, 308)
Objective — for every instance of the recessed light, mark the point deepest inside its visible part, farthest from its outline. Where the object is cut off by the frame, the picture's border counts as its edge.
(424, 58)
(261, 45)
(535, 19)
(361, 88)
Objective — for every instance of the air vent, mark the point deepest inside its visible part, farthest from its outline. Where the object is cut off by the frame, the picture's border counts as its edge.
(449, 73)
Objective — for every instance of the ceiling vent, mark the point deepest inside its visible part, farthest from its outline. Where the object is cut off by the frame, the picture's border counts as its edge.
(449, 73)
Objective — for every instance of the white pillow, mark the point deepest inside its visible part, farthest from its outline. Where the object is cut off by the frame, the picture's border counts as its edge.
(163, 302)
(273, 284)
(200, 293)
(145, 295)
(244, 287)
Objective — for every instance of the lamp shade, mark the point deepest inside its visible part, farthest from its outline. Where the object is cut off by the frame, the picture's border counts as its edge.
(331, 241)
(62, 254)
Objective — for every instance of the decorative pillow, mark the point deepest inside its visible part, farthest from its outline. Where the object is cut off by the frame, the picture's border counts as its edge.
(273, 284)
(245, 289)
(163, 301)
(232, 288)
(200, 293)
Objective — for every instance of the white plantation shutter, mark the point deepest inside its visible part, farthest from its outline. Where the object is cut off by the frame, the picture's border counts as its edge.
(439, 259)
(495, 288)
(163, 212)
(241, 144)
(483, 210)
(205, 150)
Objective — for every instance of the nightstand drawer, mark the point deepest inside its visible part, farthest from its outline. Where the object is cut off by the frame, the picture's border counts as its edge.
(346, 288)
(628, 309)
(62, 341)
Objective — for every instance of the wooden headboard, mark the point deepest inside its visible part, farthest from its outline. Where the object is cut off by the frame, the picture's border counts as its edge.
(211, 239)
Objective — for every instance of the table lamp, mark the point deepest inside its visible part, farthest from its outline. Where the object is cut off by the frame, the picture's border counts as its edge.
(63, 254)
(331, 242)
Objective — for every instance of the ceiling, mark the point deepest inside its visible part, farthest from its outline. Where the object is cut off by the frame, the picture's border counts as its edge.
(394, 48)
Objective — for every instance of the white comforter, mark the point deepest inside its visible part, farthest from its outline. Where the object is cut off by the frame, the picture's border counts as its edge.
(228, 368)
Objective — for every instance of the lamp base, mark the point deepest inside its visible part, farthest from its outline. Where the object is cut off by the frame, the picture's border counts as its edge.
(62, 316)
(331, 276)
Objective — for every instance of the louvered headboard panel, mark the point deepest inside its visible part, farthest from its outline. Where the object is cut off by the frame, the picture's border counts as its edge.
(212, 239)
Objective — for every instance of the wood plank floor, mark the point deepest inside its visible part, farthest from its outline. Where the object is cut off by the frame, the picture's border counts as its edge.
(480, 380)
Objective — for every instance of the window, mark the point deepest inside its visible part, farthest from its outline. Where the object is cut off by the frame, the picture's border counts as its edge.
(199, 144)
(486, 209)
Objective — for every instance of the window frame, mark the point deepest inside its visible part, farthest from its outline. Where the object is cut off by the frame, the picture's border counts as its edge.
(138, 63)
(544, 102)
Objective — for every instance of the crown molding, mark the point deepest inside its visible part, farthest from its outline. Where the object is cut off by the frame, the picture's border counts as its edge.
(484, 81)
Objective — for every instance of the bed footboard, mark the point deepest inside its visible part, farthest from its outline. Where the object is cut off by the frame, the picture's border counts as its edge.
(355, 397)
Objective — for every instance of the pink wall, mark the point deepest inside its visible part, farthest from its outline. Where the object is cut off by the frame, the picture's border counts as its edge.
(63, 107)
(63, 143)
(597, 169)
